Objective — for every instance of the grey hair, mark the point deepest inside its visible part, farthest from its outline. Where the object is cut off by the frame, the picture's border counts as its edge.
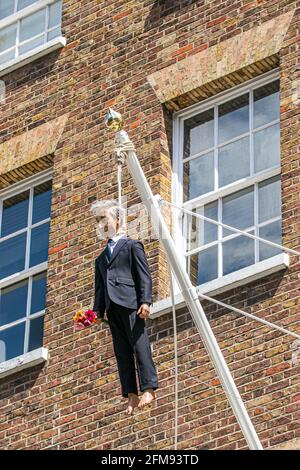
(117, 212)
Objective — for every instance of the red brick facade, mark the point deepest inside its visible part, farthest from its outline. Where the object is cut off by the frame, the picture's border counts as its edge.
(112, 50)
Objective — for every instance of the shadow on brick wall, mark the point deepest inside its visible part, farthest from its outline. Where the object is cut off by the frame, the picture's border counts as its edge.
(162, 8)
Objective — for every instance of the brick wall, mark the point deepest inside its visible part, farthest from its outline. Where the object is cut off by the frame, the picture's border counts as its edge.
(112, 48)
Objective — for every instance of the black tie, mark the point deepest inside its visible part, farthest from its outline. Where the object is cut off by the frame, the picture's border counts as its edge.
(108, 247)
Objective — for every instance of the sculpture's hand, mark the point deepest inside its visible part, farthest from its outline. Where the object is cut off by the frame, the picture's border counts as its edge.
(100, 316)
(144, 311)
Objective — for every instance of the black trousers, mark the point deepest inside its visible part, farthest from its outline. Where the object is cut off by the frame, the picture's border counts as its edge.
(131, 344)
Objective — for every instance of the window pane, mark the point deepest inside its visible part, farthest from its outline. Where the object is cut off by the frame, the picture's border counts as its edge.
(28, 46)
(36, 333)
(24, 3)
(12, 342)
(204, 266)
(55, 14)
(237, 253)
(271, 232)
(269, 199)
(54, 33)
(238, 210)
(267, 148)
(13, 302)
(266, 104)
(41, 202)
(8, 37)
(7, 56)
(6, 8)
(15, 213)
(208, 265)
(199, 133)
(12, 255)
(32, 25)
(198, 176)
(233, 118)
(202, 231)
(210, 229)
(234, 161)
(38, 298)
(39, 244)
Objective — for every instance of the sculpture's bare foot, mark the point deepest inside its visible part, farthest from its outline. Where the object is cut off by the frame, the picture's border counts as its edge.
(132, 403)
(147, 397)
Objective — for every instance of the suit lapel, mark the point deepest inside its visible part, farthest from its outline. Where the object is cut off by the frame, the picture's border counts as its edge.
(117, 248)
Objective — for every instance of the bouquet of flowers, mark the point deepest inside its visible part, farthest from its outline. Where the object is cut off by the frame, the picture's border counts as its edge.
(84, 318)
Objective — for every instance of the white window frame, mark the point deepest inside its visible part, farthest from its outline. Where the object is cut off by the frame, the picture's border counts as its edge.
(30, 359)
(37, 52)
(27, 273)
(179, 229)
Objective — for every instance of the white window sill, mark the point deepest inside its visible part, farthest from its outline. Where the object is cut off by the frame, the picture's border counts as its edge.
(25, 361)
(30, 56)
(225, 283)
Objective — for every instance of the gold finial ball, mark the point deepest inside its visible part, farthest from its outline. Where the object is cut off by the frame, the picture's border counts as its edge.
(114, 120)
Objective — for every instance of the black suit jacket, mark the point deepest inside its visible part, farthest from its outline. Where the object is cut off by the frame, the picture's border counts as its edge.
(125, 278)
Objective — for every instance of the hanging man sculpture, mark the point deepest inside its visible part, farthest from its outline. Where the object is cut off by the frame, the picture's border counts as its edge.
(123, 294)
